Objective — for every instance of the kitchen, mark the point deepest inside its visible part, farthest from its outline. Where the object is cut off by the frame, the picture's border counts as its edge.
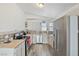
(43, 32)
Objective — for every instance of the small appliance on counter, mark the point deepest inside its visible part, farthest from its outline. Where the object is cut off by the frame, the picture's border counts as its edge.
(20, 35)
(6, 39)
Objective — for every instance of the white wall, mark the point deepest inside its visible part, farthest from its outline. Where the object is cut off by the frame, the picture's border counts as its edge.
(11, 17)
(33, 25)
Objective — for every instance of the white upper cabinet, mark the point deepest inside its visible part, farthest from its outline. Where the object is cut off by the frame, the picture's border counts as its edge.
(50, 27)
(43, 26)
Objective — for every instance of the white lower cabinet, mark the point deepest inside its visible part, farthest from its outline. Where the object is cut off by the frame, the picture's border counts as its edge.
(7, 52)
(40, 38)
(18, 51)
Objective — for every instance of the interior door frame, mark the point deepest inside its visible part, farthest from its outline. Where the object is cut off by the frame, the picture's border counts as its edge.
(68, 36)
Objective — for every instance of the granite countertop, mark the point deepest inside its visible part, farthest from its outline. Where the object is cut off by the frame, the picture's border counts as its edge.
(12, 44)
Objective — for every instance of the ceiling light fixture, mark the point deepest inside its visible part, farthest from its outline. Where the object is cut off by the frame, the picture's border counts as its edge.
(41, 5)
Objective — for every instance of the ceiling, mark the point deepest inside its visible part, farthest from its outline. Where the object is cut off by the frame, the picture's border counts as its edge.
(74, 11)
(50, 10)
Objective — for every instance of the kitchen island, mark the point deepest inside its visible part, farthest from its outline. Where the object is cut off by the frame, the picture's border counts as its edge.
(14, 48)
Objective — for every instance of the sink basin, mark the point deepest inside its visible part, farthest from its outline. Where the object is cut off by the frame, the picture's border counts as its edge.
(8, 42)
(5, 42)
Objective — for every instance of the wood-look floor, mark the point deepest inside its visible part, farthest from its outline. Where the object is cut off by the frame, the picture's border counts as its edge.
(41, 50)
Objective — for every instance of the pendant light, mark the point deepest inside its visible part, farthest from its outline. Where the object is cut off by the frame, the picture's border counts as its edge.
(41, 5)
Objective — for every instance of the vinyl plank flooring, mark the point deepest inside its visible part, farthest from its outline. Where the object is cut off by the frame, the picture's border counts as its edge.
(41, 50)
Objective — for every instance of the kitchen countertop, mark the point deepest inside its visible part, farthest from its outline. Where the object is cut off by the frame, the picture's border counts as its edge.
(12, 44)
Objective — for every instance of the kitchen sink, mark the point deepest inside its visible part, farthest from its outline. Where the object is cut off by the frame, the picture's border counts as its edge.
(8, 42)
(5, 42)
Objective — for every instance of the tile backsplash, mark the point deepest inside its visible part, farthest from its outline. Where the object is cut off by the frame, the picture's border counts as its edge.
(3, 34)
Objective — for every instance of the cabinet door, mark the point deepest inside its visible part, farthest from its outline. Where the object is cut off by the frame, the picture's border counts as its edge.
(18, 51)
(45, 38)
(23, 49)
(37, 38)
(34, 39)
(6, 52)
